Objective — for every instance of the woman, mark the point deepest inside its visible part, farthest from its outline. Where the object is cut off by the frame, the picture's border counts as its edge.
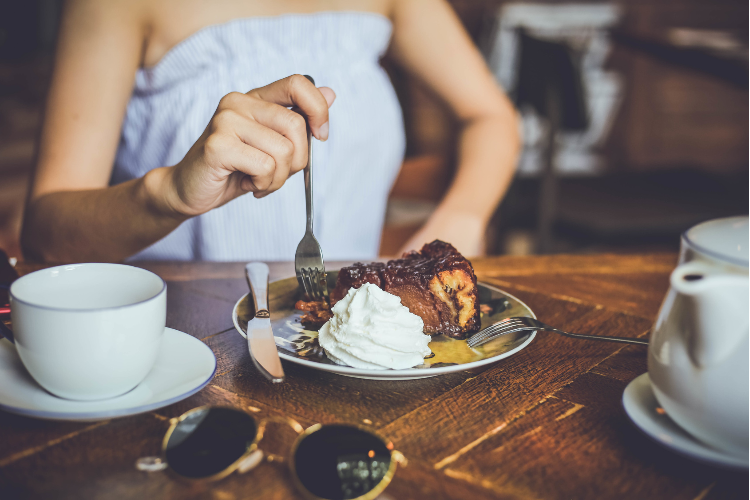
(149, 143)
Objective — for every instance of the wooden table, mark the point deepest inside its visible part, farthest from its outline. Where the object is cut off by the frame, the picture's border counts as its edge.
(545, 423)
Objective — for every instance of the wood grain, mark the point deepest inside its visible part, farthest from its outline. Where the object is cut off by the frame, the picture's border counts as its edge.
(545, 423)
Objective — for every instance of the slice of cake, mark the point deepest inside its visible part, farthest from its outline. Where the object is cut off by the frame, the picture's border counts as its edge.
(437, 284)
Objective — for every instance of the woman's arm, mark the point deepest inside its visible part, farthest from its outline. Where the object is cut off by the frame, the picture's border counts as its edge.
(97, 56)
(252, 144)
(431, 44)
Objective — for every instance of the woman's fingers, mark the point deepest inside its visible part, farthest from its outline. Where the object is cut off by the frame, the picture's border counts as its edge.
(258, 142)
(287, 123)
(264, 139)
(258, 167)
(279, 148)
(329, 95)
(298, 91)
(252, 143)
(236, 129)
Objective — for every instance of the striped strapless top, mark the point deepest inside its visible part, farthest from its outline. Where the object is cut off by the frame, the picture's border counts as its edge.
(173, 101)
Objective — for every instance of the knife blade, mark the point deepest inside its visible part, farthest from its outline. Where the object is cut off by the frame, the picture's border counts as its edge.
(260, 341)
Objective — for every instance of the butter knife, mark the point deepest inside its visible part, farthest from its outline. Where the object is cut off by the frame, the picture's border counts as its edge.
(260, 339)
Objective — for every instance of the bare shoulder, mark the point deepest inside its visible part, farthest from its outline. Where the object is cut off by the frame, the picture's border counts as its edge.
(87, 20)
(90, 13)
(398, 7)
(406, 14)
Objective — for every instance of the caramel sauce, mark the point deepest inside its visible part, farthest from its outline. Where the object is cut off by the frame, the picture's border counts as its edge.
(448, 351)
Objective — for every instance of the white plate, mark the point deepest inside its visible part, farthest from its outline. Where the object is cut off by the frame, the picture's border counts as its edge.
(183, 366)
(451, 355)
(642, 408)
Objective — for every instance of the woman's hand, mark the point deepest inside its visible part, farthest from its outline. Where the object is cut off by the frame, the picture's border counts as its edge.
(253, 143)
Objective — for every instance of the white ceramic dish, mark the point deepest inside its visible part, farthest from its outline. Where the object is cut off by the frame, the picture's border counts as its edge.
(451, 355)
(643, 409)
(184, 365)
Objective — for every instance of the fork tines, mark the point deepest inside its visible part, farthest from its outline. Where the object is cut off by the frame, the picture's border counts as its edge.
(503, 327)
(313, 281)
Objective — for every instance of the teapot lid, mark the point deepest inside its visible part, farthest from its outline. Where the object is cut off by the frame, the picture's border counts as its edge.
(724, 239)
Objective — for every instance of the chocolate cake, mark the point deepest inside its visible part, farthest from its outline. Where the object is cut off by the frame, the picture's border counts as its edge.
(437, 284)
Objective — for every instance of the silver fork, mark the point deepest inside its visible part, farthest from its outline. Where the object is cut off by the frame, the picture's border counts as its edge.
(308, 261)
(519, 324)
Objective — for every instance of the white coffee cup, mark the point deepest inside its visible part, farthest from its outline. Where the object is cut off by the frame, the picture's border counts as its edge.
(88, 331)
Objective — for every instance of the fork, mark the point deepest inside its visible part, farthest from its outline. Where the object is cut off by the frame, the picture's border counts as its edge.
(308, 261)
(519, 324)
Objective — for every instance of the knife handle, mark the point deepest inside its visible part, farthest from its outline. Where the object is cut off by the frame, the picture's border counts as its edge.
(257, 278)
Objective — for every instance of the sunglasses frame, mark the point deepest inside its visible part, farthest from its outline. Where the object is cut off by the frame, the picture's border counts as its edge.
(302, 433)
(173, 423)
(396, 457)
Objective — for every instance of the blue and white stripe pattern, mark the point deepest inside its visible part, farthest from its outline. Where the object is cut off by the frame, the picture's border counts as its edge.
(173, 101)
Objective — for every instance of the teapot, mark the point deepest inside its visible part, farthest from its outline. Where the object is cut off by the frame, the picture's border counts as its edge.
(698, 352)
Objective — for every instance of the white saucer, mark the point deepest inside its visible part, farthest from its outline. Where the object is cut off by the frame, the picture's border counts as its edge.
(183, 366)
(641, 406)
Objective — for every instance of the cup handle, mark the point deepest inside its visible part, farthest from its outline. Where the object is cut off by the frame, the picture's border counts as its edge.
(6, 332)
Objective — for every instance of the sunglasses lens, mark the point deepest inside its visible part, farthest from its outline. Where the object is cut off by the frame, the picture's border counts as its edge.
(209, 440)
(341, 462)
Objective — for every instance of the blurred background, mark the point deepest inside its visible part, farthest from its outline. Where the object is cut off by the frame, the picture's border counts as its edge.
(634, 115)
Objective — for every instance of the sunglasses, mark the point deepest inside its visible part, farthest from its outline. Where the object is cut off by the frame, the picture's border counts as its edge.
(328, 462)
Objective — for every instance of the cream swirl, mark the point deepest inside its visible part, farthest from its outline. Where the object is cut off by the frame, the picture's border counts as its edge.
(371, 329)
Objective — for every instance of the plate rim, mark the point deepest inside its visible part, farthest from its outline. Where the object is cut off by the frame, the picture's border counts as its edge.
(390, 374)
(636, 415)
(113, 413)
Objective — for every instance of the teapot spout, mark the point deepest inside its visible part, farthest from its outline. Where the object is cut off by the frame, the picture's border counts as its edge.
(715, 320)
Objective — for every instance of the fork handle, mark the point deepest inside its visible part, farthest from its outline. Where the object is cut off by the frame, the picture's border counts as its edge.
(257, 278)
(308, 175)
(622, 340)
(494, 336)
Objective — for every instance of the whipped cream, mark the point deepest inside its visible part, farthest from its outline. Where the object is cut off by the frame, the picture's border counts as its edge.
(371, 329)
